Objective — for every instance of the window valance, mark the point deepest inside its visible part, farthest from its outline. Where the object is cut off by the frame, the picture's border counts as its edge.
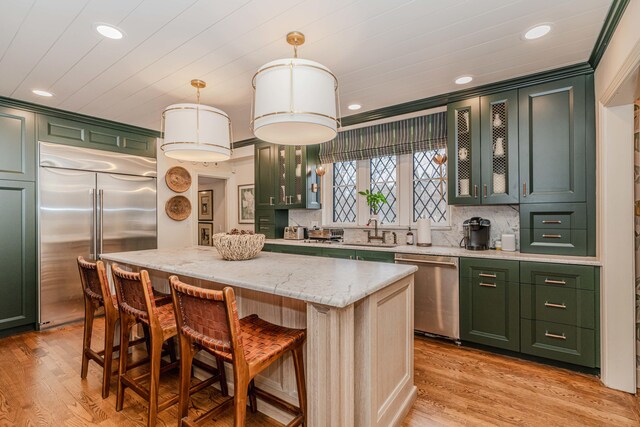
(402, 137)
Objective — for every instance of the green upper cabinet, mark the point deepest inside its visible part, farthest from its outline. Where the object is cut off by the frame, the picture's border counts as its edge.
(286, 176)
(17, 145)
(483, 150)
(17, 254)
(553, 142)
(463, 151)
(499, 148)
(265, 160)
(80, 134)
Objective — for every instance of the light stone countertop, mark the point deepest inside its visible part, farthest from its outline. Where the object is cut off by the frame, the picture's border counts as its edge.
(450, 251)
(328, 281)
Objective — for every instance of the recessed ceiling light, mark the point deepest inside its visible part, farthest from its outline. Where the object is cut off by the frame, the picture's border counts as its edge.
(40, 92)
(354, 106)
(537, 31)
(463, 80)
(109, 31)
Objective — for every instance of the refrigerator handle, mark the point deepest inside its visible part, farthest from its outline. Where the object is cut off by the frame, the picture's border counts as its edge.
(94, 243)
(100, 212)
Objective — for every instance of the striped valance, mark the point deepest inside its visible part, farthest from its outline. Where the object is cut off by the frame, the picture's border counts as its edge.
(401, 137)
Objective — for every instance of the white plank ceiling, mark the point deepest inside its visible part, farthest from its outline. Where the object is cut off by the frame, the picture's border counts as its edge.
(383, 52)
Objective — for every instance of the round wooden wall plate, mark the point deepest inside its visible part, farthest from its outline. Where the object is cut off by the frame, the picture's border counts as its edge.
(178, 179)
(178, 208)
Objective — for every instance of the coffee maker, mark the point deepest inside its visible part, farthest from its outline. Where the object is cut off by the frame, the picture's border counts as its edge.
(476, 234)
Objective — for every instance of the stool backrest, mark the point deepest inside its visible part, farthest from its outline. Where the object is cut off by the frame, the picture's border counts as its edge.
(208, 317)
(93, 277)
(134, 293)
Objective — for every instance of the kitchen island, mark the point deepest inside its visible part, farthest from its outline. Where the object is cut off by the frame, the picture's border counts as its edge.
(358, 315)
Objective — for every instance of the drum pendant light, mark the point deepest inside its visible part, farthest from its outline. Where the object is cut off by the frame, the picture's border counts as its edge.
(196, 133)
(294, 100)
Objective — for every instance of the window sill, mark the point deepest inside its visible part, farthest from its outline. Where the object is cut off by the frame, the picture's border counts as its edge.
(386, 227)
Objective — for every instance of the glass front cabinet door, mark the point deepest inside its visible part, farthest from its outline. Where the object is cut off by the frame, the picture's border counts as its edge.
(463, 123)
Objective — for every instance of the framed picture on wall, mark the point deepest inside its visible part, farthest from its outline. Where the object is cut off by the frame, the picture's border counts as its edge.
(246, 204)
(205, 231)
(205, 205)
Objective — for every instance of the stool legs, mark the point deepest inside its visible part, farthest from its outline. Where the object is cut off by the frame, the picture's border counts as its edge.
(126, 323)
(109, 331)
(156, 358)
(89, 314)
(187, 351)
(240, 399)
(298, 363)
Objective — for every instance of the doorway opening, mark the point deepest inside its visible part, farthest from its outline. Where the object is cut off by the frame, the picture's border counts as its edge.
(212, 208)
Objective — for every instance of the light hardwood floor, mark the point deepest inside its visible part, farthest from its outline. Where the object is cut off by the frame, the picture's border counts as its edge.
(40, 385)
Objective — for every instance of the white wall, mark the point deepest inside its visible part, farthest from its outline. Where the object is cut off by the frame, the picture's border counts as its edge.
(237, 171)
(615, 200)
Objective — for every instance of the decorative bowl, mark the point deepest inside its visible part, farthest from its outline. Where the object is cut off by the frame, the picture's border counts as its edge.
(238, 247)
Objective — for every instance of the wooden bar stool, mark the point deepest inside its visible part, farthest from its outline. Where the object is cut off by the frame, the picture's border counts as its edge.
(136, 303)
(208, 320)
(95, 288)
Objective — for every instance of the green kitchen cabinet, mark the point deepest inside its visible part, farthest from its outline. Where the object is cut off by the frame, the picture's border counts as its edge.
(293, 249)
(490, 302)
(265, 184)
(17, 144)
(339, 253)
(86, 135)
(463, 152)
(483, 150)
(271, 222)
(17, 254)
(553, 142)
(377, 256)
(565, 343)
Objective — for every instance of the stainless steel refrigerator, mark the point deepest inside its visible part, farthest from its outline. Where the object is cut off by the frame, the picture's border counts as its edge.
(90, 202)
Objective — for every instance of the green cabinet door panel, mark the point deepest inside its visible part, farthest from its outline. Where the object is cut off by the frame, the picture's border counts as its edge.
(556, 242)
(265, 161)
(560, 275)
(499, 148)
(489, 312)
(553, 142)
(339, 253)
(556, 341)
(375, 256)
(491, 269)
(569, 306)
(17, 254)
(550, 216)
(463, 134)
(17, 145)
(80, 134)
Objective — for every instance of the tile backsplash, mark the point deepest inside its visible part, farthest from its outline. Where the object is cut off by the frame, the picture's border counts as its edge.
(504, 219)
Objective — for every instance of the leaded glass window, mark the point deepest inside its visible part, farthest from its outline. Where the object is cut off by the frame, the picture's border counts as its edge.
(430, 185)
(344, 192)
(384, 180)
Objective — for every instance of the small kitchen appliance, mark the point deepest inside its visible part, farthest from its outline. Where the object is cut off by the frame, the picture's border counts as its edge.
(295, 232)
(326, 234)
(476, 234)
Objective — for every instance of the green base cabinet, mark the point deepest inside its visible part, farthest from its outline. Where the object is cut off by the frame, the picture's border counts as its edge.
(490, 303)
(340, 253)
(271, 222)
(18, 285)
(564, 343)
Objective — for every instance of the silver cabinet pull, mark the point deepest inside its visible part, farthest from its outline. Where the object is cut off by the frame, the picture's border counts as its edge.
(271, 201)
(556, 336)
(100, 222)
(524, 189)
(488, 285)
(550, 304)
(491, 276)
(475, 191)
(552, 236)
(551, 221)
(358, 257)
(485, 190)
(350, 256)
(554, 282)
(94, 223)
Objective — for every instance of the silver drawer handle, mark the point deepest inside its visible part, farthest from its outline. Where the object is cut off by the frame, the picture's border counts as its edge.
(551, 221)
(271, 199)
(488, 285)
(558, 337)
(554, 282)
(552, 236)
(550, 304)
(491, 276)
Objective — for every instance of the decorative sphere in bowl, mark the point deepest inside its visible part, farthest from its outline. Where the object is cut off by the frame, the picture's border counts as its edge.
(237, 246)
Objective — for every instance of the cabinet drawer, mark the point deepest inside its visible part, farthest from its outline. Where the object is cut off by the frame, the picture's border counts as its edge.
(269, 230)
(265, 216)
(569, 306)
(559, 275)
(553, 216)
(375, 256)
(560, 241)
(489, 269)
(339, 253)
(565, 343)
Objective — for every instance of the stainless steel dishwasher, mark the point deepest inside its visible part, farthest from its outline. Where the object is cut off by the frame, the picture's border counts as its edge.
(436, 294)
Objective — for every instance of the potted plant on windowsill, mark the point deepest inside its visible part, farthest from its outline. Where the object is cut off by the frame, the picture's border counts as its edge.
(374, 201)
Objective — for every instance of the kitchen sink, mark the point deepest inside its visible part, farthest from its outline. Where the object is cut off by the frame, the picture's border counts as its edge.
(376, 245)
